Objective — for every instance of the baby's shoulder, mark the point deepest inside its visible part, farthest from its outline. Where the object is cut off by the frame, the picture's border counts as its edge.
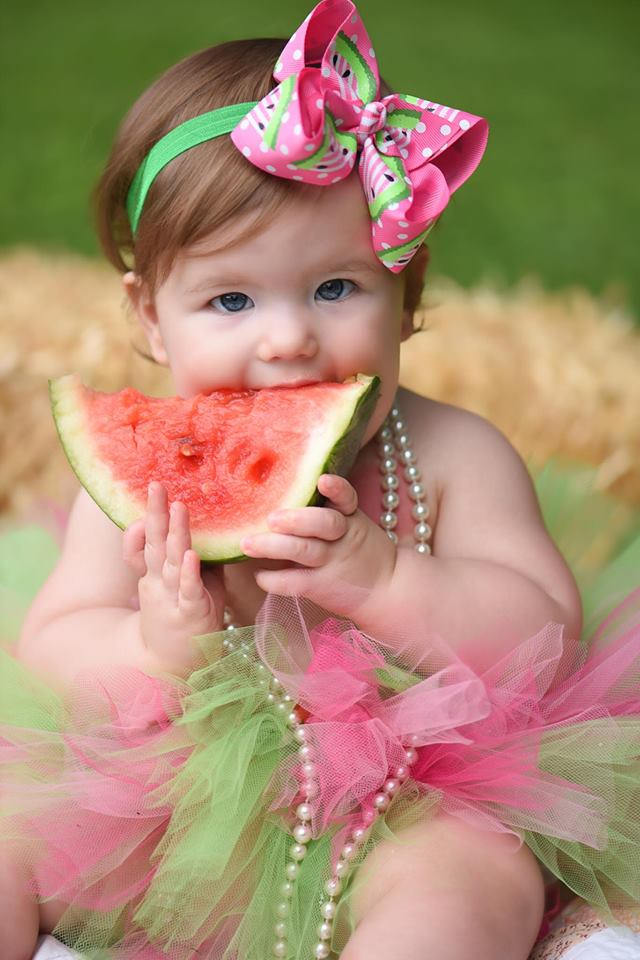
(452, 442)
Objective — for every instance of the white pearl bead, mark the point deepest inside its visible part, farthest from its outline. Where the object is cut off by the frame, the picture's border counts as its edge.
(280, 948)
(392, 536)
(302, 833)
(414, 740)
(411, 755)
(293, 719)
(303, 811)
(381, 801)
(359, 834)
(420, 511)
(321, 951)
(304, 752)
(301, 734)
(391, 787)
(230, 646)
(422, 548)
(286, 889)
(387, 449)
(260, 668)
(280, 929)
(271, 698)
(422, 530)
(276, 686)
(407, 456)
(386, 433)
(310, 789)
(324, 930)
(288, 698)
(369, 814)
(341, 869)
(292, 870)
(390, 500)
(388, 520)
(283, 910)
(333, 886)
(263, 683)
(328, 909)
(309, 769)
(401, 773)
(390, 482)
(297, 851)
(349, 851)
(398, 425)
(412, 473)
(282, 707)
(416, 490)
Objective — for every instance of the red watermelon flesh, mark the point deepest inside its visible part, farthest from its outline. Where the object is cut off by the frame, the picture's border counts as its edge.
(231, 456)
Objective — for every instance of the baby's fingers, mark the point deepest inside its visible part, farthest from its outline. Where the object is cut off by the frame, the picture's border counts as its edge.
(193, 599)
(156, 528)
(339, 492)
(319, 522)
(177, 544)
(133, 547)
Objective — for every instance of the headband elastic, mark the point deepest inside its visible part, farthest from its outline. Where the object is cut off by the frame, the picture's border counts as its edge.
(324, 117)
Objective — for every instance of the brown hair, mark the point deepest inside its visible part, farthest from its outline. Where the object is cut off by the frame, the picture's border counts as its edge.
(202, 188)
(208, 185)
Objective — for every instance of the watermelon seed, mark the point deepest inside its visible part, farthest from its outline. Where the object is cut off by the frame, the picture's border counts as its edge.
(188, 448)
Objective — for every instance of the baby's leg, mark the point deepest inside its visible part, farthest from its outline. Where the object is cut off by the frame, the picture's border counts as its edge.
(21, 917)
(18, 911)
(448, 892)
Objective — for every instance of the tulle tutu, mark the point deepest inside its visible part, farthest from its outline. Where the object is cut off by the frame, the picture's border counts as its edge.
(160, 810)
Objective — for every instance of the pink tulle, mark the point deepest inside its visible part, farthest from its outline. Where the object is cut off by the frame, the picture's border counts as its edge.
(93, 812)
(478, 738)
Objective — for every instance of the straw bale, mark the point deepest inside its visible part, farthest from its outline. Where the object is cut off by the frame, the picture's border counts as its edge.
(558, 373)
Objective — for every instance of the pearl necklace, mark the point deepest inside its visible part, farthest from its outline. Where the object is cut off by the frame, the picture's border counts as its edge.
(393, 444)
(393, 441)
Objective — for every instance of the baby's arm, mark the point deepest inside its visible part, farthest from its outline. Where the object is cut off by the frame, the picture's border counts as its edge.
(496, 576)
(98, 611)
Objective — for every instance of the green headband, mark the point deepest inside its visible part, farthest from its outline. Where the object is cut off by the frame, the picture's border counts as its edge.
(189, 134)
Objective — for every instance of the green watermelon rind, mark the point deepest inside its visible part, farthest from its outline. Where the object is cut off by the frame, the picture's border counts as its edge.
(347, 421)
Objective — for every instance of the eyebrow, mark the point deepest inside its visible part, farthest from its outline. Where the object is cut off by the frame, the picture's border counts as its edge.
(232, 280)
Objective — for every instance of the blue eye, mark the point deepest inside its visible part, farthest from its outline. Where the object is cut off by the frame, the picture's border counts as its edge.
(334, 289)
(232, 302)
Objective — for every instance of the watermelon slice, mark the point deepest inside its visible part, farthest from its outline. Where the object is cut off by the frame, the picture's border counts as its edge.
(231, 456)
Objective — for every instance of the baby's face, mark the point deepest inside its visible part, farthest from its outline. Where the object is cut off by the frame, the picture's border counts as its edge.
(303, 300)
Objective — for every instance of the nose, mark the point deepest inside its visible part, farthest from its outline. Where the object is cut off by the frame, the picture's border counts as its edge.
(287, 335)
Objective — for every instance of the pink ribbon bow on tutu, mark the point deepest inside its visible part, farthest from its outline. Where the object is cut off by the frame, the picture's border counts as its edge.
(327, 112)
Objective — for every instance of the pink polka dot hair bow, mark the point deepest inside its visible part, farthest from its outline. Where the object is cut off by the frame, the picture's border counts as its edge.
(326, 115)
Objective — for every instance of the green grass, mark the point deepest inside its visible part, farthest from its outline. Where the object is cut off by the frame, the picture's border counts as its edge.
(557, 195)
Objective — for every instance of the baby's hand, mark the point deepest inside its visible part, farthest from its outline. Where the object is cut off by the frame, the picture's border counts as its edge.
(340, 556)
(174, 604)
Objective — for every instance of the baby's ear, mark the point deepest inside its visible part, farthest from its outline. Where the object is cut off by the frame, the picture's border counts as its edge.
(413, 286)
(143, 305)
